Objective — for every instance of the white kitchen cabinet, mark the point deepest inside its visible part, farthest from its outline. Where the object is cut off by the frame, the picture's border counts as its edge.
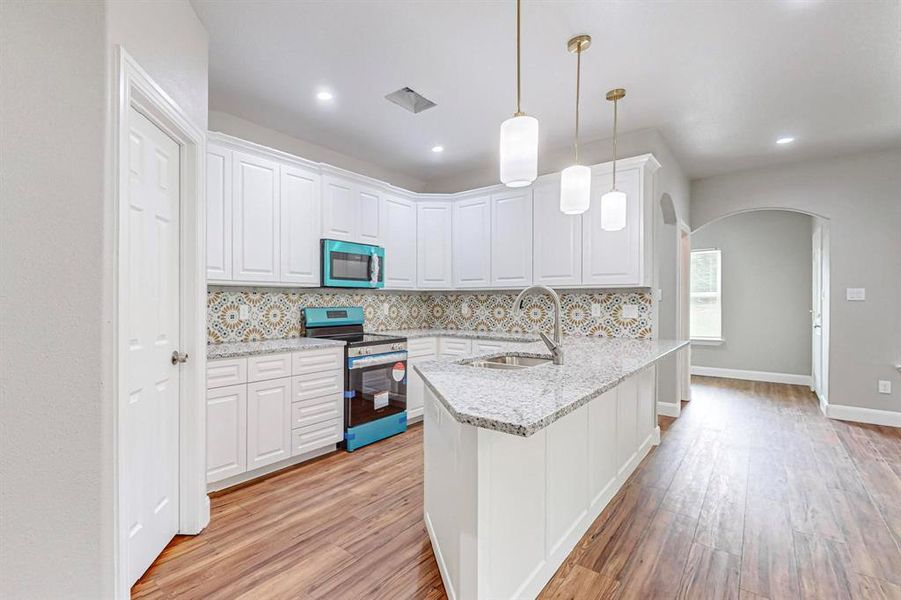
(400, 242)
(481, 347)
(472, 242)
(369, 224)
(418, 350)
(299, 231)
(511, 238)
(226, 430)
(268, 422)
(434, 243)
(449, 346)
(314, 437)
(556, 239)
(615, 257)
(255, 214)
(218, 212)
(350, 211)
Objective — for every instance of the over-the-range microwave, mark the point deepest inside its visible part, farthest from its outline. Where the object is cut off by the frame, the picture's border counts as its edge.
(352, 265)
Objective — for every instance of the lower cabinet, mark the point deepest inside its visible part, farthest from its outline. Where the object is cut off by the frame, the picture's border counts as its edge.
(226, 439)
(268, 422)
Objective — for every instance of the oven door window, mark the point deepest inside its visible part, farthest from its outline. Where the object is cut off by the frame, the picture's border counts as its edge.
(377, 391)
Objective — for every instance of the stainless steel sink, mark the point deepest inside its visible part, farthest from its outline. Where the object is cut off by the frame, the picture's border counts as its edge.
(508, 362)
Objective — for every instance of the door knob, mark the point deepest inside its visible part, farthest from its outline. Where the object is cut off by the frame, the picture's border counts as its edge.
(178, 357)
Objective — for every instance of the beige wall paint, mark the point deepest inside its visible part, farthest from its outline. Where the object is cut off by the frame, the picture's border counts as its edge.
(767, 285)
(241, 128)
(861, 197)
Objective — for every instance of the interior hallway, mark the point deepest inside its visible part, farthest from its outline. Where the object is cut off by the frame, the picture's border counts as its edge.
(752, 493)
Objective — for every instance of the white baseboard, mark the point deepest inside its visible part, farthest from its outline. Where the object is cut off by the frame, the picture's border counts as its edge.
(864, 415)
(669, 410)
(790, 378)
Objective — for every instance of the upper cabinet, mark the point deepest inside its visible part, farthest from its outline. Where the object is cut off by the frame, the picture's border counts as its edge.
(218, 212)
(511, 238)
(434, 242)
(399, 220)
(299, 231)
(472, 242)
(556, 239)
(255, 214)
(350, 211)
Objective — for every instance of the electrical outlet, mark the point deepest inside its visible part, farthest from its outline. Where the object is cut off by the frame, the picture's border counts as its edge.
(856, 294)
(885, 387)
(595, 311)
(244, 312)
(385, 309)
(630, 311)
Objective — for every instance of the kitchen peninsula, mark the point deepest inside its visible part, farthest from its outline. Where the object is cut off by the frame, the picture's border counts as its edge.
(520, 461)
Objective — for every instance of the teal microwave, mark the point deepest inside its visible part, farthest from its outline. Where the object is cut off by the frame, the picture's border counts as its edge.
(352, 265)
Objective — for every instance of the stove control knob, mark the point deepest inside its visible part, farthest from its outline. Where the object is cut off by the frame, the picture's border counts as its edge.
(365, 350)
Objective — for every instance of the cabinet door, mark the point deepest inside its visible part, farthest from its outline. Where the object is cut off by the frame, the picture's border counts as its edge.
(256, 216)
(299, 192)
(218, 213)
(268, 422)
(557, 239)
(472, 242)
(434, 225)
(415, 388)
(226, 430)
(400, 242)
(613, 257)
(340, 209)
(511, 238)
(369, 227)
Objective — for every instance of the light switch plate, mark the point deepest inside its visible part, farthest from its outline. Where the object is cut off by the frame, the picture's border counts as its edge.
(856, 294)
(595, 310)
(630, 311)
(244, 312)
(885, 387)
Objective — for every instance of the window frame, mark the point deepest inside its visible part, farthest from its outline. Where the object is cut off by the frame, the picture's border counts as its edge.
(699, 340)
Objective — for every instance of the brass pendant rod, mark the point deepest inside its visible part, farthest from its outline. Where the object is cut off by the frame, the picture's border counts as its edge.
(578, 85)
(615, 104)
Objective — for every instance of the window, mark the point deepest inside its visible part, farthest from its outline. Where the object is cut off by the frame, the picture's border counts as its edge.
(706, 319)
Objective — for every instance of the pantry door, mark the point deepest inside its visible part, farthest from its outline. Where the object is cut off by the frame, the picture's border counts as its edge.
(150, 407)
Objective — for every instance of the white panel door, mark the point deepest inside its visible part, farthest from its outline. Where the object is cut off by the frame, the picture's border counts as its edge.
(400, 242)
(340, 209)
(434, 229)
(256, 217)
(150, 267)
(268, 422)
(472, 242)
(218, 213)
(369, 226)
(613, 257)
(557, 239)
(511, 238)
(226, 432)
(299, 239)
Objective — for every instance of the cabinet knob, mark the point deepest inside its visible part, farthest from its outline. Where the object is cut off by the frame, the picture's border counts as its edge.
(178, 357)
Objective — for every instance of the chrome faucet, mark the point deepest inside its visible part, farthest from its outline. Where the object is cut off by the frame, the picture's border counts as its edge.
(554, 346)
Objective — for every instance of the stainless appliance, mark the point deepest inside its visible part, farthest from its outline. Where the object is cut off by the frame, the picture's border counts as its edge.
(352, 265)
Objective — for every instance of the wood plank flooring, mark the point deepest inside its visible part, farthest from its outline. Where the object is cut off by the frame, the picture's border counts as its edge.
(752, 494)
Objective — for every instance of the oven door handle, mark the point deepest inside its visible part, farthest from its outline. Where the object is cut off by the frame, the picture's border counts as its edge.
(360, 362)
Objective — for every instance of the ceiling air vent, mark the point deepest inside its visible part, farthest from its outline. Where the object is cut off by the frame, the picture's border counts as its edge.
(407, 98)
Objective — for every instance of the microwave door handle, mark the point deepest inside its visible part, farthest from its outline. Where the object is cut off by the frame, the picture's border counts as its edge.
(374, 266)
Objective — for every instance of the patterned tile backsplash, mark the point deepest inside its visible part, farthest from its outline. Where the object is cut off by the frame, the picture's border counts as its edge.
(275, 313)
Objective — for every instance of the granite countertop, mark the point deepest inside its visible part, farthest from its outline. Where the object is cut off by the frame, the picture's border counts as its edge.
(496, 336)
(522, 402)
(238, 349)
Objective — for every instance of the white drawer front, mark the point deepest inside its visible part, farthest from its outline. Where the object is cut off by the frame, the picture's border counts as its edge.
(422, 347)
(313, 361)
(228, 371)
(487, 347)
(454, 347)
(269, 366)
(316, 385)
(313, 437)
(317, 410)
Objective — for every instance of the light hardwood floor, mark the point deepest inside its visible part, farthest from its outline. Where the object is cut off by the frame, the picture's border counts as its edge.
(751, 494)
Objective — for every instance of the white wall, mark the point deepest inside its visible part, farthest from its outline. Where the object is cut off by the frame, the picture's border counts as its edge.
(56, 268)
(861, 197)
(246, 130)
(767, 286)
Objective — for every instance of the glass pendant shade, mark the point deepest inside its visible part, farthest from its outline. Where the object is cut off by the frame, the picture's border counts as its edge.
(519, 151)
(575, 189)
(613, 211)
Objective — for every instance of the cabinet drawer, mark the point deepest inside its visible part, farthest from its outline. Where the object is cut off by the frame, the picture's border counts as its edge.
(479, 348)
(317, 410)
(228, 371)
(270, 366)
(422, 347)
(454, 347)
(313, 437)
(313, 361)
(316, 385)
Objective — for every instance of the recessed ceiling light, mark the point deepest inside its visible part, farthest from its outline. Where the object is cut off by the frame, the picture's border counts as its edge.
(437, 149)
(785, 140)
(324, 95)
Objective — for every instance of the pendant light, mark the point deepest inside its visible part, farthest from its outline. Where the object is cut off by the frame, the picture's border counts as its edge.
(575, 181)
(519, 137)
(613, 203)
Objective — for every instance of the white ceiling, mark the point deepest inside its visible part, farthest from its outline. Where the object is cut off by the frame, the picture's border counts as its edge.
(720, 80)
